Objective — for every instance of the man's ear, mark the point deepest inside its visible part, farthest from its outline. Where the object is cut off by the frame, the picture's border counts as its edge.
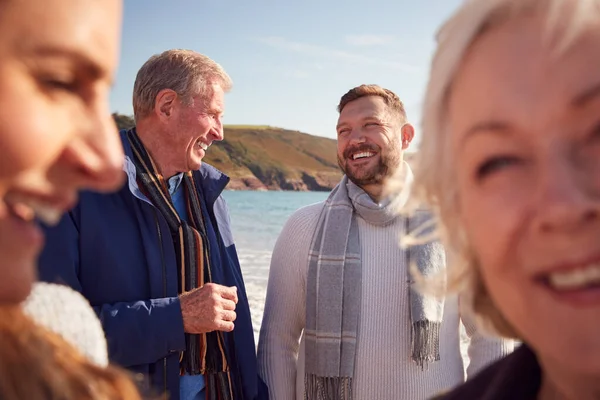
(407, 133)
(164, 103)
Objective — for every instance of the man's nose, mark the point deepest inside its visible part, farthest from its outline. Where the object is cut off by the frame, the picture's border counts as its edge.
(217, 129)
(357, 136)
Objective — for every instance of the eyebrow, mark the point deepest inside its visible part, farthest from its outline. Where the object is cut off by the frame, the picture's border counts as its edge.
(85, 64)
(496, 127)
(215, 110)
(587, 96)
(500, 127)
(340, 125)
(376, 118)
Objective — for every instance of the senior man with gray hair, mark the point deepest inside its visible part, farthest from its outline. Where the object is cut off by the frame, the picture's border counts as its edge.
(156, 259)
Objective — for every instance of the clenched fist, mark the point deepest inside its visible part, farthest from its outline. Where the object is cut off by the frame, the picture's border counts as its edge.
(209, 308)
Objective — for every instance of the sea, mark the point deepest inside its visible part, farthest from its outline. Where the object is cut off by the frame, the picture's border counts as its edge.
(256, 220)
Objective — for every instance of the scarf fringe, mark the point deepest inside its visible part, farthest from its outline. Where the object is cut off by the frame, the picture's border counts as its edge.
(327, 388)
(425, 342)
(218, 386)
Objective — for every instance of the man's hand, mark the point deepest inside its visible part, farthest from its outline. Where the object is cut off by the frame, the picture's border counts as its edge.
(209, 308)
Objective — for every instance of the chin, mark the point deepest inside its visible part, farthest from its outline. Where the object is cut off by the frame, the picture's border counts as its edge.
(571, 343)
(195, 164)
(364, 177)
(15, 288)
(581, 362)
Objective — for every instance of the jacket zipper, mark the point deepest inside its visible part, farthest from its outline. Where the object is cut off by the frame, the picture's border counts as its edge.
(164, 276)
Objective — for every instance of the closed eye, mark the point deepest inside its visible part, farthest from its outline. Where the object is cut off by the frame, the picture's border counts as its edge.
(62, 85)
(496, 164)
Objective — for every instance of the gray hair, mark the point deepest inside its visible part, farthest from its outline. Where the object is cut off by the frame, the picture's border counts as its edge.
(434, 183)
(186, 72)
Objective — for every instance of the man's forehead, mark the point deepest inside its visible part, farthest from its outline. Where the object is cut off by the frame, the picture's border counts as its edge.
(217, 103)
(362, 114)
(213, 99)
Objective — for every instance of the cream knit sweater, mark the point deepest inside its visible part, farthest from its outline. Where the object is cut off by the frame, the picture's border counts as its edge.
(383, 367)
(67, 313)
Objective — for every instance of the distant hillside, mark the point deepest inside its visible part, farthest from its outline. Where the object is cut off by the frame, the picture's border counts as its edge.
(268, 158)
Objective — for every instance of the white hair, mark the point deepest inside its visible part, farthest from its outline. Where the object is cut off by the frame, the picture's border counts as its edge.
(186, 72)
(435, 184)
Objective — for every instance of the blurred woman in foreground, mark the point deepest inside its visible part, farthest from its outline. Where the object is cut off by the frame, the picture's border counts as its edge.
(57, 60)
(510, 161)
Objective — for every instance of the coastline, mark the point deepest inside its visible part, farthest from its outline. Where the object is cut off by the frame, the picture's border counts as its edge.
(307, 183)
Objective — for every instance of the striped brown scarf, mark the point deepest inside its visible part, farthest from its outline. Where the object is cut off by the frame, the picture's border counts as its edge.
(204, 353)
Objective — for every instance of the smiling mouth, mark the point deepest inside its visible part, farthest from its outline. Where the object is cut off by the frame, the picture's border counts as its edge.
(202, 145)
(29, 208)
(581, 278)
(362, 155)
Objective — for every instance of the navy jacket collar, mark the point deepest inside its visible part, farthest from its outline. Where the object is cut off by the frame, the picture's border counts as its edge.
(209, 180)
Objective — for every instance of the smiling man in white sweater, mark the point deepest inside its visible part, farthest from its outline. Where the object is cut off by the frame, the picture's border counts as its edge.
(342, 318)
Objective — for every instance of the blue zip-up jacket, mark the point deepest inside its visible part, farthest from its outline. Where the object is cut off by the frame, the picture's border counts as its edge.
(116, 249)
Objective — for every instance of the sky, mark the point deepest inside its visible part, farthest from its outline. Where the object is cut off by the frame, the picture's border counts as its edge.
(290, 61)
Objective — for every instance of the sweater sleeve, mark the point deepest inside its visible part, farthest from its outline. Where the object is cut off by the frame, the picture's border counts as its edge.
(483, 348)
(284, 314)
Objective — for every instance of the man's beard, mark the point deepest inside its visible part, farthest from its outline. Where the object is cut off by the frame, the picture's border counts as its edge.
(389, 161)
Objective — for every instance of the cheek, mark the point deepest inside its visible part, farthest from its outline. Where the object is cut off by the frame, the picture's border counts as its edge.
(33, 132)
(200, 124)
(491, 225)
(341, 146)
(490, 229)
(386, 139)
(205, 124)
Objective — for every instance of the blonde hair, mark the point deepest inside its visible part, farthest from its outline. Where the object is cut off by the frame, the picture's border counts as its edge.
(186, 72)
(38, 364)
(390, 98)
(434, 183)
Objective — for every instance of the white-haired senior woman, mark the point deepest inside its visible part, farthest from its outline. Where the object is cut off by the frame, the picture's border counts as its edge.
(510, 162)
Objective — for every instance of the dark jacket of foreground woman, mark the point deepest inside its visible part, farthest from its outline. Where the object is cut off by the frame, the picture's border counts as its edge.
(515, 377)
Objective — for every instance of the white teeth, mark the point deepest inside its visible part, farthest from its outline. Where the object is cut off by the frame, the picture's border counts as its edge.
(362, 155)
(48, 215)
(576, 279)
(27, 208)
(203, 146)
